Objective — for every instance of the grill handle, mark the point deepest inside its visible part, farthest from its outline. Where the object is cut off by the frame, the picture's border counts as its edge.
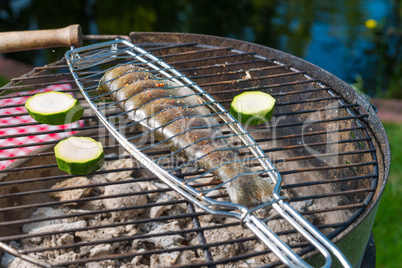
(308, 231)
(36, 39)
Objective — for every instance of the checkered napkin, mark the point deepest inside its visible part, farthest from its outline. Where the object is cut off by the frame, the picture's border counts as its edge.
(13, 143)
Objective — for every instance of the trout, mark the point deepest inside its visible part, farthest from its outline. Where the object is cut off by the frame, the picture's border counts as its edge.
(179, 119)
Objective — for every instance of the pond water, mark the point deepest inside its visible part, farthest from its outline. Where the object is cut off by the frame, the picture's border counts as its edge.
(357, 40)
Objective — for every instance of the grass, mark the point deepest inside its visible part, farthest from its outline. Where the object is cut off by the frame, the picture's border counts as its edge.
(388, 223)
(3, 81)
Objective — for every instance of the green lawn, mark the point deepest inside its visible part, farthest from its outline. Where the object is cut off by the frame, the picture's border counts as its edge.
(388, 224)
(3, 81)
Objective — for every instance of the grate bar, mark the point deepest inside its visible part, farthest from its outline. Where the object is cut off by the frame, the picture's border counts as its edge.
(265, 150)
(142, 221)
(192, 52)
(228, 63)
(320, 182)
(200, 235)
(333, 167)
(237, 81)
(150, 47)
(215, 58)
(164, 218)
(25, 221)
(299, 146)
(251, 130)
(306, 157)
(359, 191)
(194, 230)
(273, 125)
(215, 66)
(241, 71)
(284, 173)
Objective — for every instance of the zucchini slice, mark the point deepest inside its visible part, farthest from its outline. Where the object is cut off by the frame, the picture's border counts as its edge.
(54, 108)
(79, 155)
(252, 107)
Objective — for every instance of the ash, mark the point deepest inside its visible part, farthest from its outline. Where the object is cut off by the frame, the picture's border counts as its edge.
(146, 236)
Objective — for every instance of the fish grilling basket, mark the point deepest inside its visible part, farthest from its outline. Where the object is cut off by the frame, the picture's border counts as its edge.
(176, 161)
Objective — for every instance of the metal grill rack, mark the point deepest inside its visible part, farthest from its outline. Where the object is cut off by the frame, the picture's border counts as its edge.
(318, 141)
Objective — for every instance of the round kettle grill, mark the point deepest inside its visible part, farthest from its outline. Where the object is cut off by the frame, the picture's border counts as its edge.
(324, 138)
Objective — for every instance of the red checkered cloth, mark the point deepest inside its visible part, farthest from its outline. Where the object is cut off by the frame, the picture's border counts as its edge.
(13, 143)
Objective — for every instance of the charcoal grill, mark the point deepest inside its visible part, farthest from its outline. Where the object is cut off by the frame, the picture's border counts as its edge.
(326, 141)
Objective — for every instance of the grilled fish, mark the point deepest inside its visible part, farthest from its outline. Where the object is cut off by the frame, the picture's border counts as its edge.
(179, 119)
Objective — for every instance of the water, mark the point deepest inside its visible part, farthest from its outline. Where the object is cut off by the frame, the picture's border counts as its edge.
(330, 34)
(341, 42)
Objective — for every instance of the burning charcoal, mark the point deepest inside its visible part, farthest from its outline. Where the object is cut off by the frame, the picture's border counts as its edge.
(93, 265)
(65, 239)
(124, 201)
(7, 258)
(214, 193)
(70, 256)
(158, 210)
(114, 231)
(136, 260)
(101, 264)
(238, 231)
(72, 194)
(130, 265)
(43, 212)
(166, 240)
(102, 250)
(219, 235)
(18, 263)
(301, 205)
(127, 163)
(98, 250)
(149, 186)
(130, 230)
(160, 185)
(58, 227)
(100, 234)
(164, 259)
(186, 257)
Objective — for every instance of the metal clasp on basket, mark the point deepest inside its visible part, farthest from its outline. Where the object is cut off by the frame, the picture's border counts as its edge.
(251, 210)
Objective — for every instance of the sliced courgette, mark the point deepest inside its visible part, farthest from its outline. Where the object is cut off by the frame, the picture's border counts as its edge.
(54, 108)
(79, 155)
(252, 107)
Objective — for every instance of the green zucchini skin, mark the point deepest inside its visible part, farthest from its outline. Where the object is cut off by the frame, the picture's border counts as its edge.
(257, 117)
(77, 167)
(250, 119)
(73, 115)
(60, 118)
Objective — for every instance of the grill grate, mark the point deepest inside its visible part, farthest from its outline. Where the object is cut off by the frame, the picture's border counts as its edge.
(316, 139)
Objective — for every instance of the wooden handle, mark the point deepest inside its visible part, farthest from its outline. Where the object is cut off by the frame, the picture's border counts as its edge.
(27, 40)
